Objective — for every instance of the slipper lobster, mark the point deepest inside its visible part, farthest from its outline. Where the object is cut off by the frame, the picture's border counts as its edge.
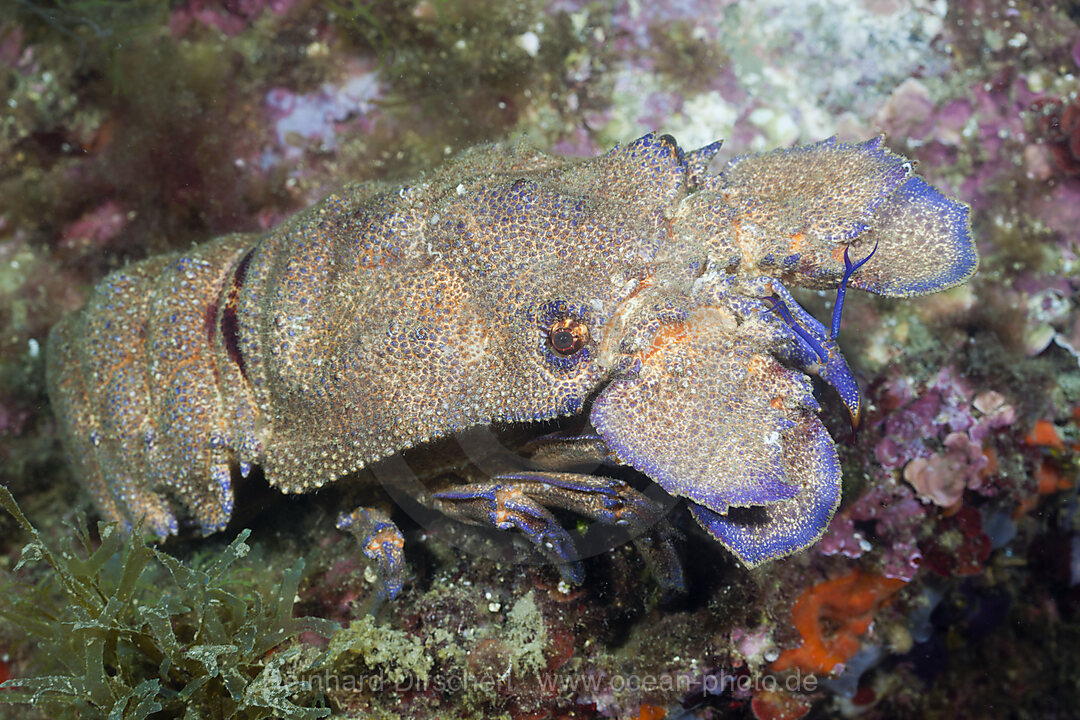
(637, 289)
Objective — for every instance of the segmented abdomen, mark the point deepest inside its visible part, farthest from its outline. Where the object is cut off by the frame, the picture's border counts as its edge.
(148, 386)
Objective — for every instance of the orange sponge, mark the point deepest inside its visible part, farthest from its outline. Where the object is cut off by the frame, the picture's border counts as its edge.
(831, 616)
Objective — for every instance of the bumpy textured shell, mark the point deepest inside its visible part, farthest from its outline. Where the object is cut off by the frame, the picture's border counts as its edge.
(381, 318)
(388, 316)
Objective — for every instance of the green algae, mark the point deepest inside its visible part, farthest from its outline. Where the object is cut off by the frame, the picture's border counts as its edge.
(461, 73)
(126, 631)
(527, 635)
(99, 30)
(684, 55)
(397, 654)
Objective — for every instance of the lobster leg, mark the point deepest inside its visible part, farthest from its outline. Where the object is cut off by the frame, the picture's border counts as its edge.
(811, 349)
(558, 453)
(382, 542)
(520, 501)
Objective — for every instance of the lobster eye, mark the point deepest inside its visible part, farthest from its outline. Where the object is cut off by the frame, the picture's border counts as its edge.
(568, 336)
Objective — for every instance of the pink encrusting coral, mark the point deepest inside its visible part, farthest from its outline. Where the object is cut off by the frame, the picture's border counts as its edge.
(894, 518)
(842, 538)
(95, 228)
(920, 417)
(937, 440)
(943, 477)
(995, 413)
(940, 435)
(229, 18)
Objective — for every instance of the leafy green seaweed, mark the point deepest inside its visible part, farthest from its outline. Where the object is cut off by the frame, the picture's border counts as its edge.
(136, 632)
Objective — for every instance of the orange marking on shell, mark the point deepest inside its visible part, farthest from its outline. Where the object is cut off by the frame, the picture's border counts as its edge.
(382, 537)
(759, 365)
(615, 326)
(796, 243)
(838, 254)
(374, 256)
(777, 403)
(669, 229)
(501, 497)
(665, 337)
(126, 360)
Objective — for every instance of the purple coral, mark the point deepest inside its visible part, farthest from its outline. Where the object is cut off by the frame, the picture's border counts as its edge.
(939, 435)
(896, 515)
(923, 418)
(843, 539)
(316, 117)
(230, 18)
